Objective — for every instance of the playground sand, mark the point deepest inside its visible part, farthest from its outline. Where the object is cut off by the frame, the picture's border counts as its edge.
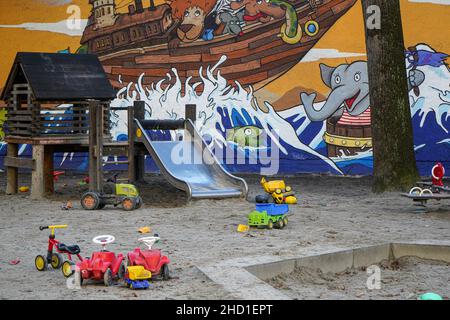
(400, 279)
(333, 211)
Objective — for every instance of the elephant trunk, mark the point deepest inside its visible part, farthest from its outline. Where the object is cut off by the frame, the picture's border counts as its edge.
(330, 107)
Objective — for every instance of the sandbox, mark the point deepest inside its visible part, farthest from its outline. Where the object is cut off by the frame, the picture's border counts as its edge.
(387, 271)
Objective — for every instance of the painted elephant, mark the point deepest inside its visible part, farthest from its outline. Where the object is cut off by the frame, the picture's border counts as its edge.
(350, 91)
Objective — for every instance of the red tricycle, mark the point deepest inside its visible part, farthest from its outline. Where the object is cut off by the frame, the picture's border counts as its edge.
(55, 259)
(151, 259)
(103, 265)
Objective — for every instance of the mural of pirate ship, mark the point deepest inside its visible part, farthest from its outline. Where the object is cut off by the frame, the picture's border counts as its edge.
(260, 44)
(109, 32)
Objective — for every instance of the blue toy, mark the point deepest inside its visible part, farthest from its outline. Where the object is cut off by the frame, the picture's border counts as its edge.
(272, 209)
(137, 284)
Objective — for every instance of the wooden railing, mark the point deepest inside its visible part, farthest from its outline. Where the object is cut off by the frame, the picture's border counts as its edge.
(26, 118)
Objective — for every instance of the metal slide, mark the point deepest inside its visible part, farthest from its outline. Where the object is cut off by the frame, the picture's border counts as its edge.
(200, 178)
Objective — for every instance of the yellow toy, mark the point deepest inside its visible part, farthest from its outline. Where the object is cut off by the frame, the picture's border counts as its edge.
(280, 193)
(288, 197)
(243, 228)
(272, 186)
(24, 189)
(137, 277)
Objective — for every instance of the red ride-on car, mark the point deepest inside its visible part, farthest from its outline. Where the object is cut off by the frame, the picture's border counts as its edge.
(151, 259)
(102, 266)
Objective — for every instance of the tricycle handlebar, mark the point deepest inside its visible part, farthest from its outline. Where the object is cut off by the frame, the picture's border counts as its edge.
(63, 226)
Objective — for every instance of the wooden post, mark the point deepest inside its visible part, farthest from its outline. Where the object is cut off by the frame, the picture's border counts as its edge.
(12, 186)
(38, 174)
(139, 110)
(139, 159)
(48, 171)
(191, 112)
(92, 145)
(99, 147)
(131, 148)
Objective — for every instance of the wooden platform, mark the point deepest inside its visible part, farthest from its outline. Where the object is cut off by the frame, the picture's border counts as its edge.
(41, 163)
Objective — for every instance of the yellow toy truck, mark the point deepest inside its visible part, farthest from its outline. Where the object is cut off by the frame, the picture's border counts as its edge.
(137, 277)
(280, 193)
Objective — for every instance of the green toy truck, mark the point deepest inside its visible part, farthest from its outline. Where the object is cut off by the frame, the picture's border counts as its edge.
(264, 220)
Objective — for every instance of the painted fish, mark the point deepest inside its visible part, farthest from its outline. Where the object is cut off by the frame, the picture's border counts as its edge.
(248, 136)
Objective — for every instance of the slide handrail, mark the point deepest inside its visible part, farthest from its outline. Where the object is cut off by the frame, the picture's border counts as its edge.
(180, 184)
(198, 142)
(190, 127)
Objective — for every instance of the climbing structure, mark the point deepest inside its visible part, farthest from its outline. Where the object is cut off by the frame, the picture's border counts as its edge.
(37, 83)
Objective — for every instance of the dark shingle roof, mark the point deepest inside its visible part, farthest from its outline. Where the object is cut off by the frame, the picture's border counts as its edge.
(60, 77)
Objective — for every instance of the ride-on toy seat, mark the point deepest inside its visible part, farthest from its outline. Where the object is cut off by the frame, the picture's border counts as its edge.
(103, 265)
(151, 259)
(75, 249)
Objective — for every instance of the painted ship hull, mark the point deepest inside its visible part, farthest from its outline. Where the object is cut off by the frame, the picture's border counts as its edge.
(256, 58)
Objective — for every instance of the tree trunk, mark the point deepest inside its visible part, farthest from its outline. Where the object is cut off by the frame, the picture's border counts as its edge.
(393, 143)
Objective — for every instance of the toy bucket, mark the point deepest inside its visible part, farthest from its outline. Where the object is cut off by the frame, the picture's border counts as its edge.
(243, 228)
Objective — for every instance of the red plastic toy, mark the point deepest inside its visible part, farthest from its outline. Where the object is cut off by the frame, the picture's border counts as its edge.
(438, 173)
(151, 259)
(434, 190)
(103, 265)
(55, 259)
(56, 175)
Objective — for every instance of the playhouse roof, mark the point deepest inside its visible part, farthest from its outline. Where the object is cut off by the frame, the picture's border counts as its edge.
(60, 77)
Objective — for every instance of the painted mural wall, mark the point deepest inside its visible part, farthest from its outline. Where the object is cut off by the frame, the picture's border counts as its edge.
(294, 67)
